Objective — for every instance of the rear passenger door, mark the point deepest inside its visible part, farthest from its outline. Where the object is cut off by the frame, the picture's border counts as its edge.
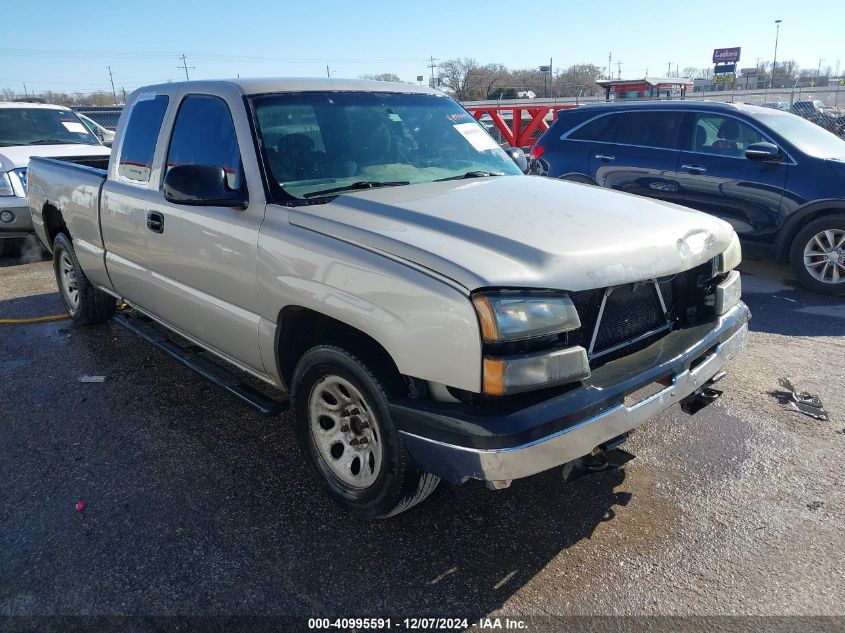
(715, 176)
(639, 153)
(202, 259)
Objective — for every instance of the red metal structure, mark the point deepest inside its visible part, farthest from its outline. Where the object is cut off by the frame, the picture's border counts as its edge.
(516, 134)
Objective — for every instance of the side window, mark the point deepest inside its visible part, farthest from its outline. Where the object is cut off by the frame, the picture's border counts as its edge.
(723, 135)
(204, 134)
(650, 129)
(600, 129)
(139, 138)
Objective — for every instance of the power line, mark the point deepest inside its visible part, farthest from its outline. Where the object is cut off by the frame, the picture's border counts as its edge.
(185, 67)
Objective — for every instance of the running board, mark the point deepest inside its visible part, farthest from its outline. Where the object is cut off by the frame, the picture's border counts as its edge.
(190, 356)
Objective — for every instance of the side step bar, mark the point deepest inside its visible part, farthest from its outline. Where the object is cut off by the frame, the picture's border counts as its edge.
(191, 357)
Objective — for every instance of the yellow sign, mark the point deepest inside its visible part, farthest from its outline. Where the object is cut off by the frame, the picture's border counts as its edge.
(723, 79)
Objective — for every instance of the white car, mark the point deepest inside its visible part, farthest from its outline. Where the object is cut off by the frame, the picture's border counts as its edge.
(35, 129)
(105, 135)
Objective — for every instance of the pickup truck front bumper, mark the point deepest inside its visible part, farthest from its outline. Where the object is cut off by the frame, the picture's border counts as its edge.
(526, 436)
(21, 224)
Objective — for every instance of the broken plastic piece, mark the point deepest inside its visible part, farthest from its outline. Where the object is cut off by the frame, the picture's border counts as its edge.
(92, 379)
(80, 506)
(802, 401)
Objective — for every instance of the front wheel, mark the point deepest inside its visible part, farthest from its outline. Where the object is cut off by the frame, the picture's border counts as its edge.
(339, 408)
(817, 255)
(84, 303)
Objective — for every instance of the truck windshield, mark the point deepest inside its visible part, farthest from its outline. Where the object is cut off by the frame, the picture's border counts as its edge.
(808, 137)
(42, 126)
(322, 143)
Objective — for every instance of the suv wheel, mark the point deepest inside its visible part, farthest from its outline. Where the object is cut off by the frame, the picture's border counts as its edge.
(83, 302)
(339, 408)
(818, 255)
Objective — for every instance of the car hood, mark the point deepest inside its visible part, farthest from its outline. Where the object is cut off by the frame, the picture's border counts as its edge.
(19, 155)
(523, 231)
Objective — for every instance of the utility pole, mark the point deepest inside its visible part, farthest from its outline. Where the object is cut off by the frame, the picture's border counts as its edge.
(619, 70)
(819, 69)
(185, 66)
(775, 58)
(26, 96)
(123, 90)
(113, 91)
(668, 70)
(609, 60)
(328, 74)
(432, 64)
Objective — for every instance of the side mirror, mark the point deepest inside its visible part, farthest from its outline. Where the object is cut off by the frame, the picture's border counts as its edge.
(518, 157)
(763, 151)
(201, 185)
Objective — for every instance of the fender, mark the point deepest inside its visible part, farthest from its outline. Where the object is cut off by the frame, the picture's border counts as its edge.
(799, 218)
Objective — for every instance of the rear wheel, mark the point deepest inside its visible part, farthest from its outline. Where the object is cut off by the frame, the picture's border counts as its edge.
(344, 428)
(817, 255)
(84, 303)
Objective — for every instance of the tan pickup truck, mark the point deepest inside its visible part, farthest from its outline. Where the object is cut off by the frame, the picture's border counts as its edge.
(369, 252)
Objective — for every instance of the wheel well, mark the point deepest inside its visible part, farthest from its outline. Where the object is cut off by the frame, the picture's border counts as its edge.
(54, 223)
(300, 329)
(785, 243)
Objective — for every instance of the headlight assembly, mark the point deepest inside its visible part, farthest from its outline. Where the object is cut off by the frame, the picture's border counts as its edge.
(731, 257)
(6, 185)
(512, 315)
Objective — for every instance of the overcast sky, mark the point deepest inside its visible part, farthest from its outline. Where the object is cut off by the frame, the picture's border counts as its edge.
(67, 46)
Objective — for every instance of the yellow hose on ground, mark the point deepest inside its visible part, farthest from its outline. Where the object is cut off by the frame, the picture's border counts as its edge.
(53, 317)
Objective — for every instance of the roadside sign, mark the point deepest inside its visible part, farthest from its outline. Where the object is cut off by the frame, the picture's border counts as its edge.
(726, 55)
(545, 70)
(724, 68)
(723, 79)
(419, 77)
(749, 72)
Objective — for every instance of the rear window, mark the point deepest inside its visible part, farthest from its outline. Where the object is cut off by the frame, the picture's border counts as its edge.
(649, 129)
(600, 129)
(139, 138)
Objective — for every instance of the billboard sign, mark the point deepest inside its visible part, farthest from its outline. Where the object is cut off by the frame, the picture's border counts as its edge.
(726, 55)
(723, 79)
(749, 72)
(545, 70)
(724, 68)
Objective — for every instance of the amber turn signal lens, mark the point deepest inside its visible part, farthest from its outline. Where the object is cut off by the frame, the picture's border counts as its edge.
(486, 317)
(494, 376)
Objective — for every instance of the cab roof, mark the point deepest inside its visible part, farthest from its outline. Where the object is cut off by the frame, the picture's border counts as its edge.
(299, 84)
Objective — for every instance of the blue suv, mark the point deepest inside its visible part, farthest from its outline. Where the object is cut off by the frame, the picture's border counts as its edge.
(778, 179)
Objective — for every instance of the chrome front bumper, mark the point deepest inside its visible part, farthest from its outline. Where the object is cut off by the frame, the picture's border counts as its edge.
(688, 372)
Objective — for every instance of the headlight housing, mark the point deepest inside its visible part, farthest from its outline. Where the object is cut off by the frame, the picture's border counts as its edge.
(513, 315)
(6, 185)
(731, 257)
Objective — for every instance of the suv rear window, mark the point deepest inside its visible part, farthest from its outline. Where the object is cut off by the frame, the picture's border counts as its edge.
(139, 138)
(600, 129)
(649, 129)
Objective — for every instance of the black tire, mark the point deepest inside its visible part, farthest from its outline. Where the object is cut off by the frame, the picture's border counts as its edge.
(796, 255)
(2, 246)
(400, 483)
(93, 306)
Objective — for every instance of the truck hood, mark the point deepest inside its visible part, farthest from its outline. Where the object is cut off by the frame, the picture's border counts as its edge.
(19, 155)
(523, 231)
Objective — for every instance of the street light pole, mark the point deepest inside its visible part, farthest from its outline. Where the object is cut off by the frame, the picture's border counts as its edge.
(775, 58)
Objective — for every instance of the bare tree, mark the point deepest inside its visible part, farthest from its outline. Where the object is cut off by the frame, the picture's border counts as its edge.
(456, 75)
(487, 78)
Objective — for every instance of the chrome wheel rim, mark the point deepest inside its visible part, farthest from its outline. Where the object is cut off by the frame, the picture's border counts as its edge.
(67, 278)
(824, 256)
(345, 432)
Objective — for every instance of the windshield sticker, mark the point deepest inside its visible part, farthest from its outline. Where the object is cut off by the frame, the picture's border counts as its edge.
(75, 127)
(457, 116)
(476, 136)
(394, 117)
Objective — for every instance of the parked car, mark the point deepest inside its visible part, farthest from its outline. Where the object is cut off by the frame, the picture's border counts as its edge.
(778, 179)
(816, 112)
(778, 105)
(33, 129)
(104, 135)
(369, 250)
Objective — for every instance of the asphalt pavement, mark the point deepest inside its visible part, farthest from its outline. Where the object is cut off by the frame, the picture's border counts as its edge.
(195, 505)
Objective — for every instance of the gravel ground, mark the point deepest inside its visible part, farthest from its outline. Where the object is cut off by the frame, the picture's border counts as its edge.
(197, 506)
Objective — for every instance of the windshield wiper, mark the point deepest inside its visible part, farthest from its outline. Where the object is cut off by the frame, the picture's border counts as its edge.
(472, 174)
(52, 141)
(361, 184)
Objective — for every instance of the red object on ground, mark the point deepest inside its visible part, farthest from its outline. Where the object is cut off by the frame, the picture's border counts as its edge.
(80, 506)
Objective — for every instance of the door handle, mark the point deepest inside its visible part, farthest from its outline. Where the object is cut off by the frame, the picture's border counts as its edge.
(605, 157)
(155, 222)
(694, 169)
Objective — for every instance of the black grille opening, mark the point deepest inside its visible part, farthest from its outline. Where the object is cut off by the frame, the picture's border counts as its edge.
(629, 311)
